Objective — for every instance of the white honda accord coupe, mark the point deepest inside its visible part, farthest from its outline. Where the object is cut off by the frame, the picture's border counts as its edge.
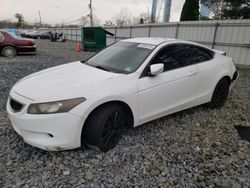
(126, 84)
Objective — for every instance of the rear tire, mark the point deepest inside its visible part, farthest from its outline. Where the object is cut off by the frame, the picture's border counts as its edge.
(102, 130)
(220, 93)
(9, 51)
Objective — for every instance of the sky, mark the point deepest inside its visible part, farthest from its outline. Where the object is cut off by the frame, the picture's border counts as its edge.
(66, 11)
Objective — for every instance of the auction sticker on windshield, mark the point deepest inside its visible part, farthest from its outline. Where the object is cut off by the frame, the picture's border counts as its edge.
(147, 46)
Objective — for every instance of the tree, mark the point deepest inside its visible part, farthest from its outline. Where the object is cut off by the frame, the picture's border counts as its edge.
(190, 10)
(216, 7)
(20, 20)
(236, 9)
(85, 21)
(229, 9)
(96, 21)
(123, 18)
(143, 18)
(108, 23)
(204, 18)
(6, 23)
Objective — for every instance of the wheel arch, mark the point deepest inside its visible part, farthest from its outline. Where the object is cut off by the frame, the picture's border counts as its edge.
(5, 45)
(124, 105)
(226, 76)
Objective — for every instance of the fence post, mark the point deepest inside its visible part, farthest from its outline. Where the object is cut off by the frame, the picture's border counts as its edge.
(115, 33)
(71, 31)
(81, 34)
(76, 33)
(149, 30)
(215, 32)
(177, 30)
(130, 32)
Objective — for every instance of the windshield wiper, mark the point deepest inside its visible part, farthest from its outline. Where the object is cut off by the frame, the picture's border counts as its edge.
(98, 66)
(102, 68)
(84, 61)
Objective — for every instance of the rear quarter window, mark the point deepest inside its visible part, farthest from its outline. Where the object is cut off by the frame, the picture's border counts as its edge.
(200, 54)
(190, 54)
(1, 37)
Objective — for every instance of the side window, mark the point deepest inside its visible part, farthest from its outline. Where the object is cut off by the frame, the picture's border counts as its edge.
(200, 54)
(181, 55)
(168, 57)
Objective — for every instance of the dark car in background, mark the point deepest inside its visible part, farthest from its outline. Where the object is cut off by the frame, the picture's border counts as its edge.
(11, 45)
(29, 33)
(36, 34)
(42, 35)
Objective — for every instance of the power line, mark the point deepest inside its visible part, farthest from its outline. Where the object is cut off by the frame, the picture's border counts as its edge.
(72, 6)
(67, 12)
(159, 11)
(71, 21)
(71, 17)
(178, 5)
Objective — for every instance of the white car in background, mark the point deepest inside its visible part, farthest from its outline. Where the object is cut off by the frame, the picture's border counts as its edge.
(126, 84)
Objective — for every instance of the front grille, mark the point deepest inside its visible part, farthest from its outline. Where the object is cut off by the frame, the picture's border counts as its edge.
(16, 106)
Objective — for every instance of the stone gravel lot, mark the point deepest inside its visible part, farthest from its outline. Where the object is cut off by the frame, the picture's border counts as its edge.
(198, 147)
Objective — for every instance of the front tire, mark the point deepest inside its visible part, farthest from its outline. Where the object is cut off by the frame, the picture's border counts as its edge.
(9, 51)
(102, 130)
(220, 93)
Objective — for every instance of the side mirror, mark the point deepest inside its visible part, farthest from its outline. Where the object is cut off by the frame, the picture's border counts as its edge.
(156, 69)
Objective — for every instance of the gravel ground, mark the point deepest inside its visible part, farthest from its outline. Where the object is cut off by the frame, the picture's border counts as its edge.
(198, 147)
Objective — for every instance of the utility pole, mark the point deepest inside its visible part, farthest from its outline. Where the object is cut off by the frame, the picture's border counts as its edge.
(167, 10)
(91, 13)
(153, 10)
(40, 22)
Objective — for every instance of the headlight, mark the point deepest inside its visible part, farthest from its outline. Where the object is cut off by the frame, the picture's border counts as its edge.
(55, 107)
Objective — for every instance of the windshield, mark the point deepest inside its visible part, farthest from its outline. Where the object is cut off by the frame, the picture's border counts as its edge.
(12, 35)
(121, 57)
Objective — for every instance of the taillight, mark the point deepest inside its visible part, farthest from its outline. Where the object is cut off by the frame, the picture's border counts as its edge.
(30, 43)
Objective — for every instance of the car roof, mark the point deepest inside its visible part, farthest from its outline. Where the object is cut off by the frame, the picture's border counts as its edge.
(157, 41)
(4, 31)
(149, 40)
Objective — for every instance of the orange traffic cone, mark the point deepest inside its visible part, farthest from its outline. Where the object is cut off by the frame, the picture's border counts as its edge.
(78, 46)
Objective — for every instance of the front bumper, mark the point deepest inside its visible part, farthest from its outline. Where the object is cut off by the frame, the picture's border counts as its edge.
(235, 75)
(51, 132)
(234, 78)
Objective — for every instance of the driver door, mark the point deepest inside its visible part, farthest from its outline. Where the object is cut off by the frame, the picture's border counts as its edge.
(170, 91)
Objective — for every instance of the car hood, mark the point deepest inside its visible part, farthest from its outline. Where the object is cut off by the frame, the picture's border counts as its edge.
(61, 82)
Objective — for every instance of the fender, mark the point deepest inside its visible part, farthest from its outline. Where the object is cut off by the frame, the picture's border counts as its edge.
(131, 101)
(8, 44)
